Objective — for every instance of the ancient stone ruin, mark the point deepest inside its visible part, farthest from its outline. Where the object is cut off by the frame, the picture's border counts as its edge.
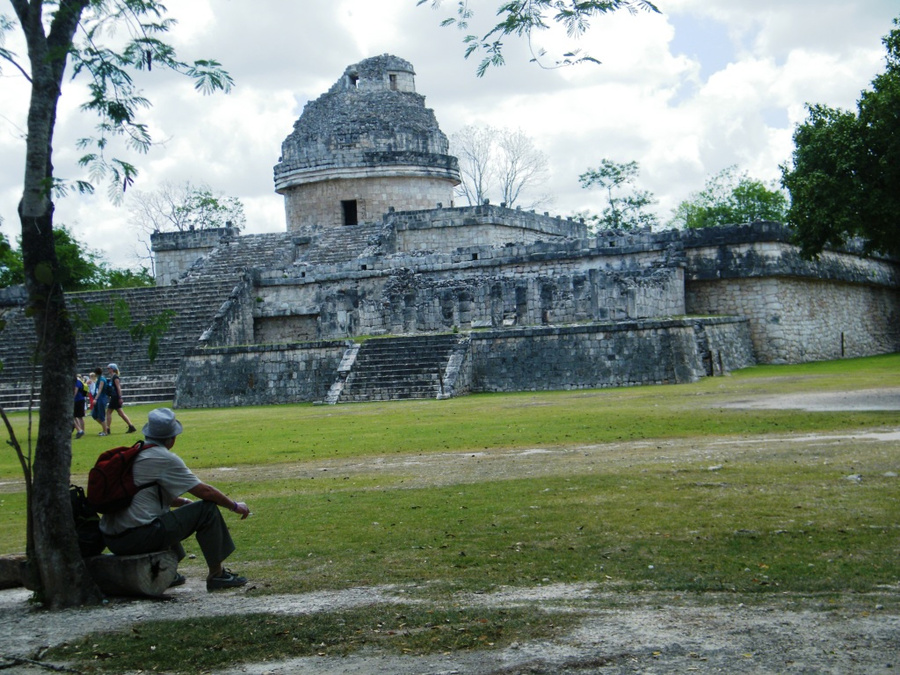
(381, 288)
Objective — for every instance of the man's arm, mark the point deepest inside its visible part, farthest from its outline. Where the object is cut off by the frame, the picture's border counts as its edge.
(210, 494)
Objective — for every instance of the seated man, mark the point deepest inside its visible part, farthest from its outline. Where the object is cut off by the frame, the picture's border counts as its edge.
(150, 524)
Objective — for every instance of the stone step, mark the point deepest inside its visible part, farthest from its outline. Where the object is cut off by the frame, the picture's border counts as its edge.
(195, 305)
(387, 369)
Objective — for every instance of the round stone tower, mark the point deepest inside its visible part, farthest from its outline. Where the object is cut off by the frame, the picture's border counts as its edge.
(366, 145)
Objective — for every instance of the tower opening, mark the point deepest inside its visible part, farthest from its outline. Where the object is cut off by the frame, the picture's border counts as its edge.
(349, 208)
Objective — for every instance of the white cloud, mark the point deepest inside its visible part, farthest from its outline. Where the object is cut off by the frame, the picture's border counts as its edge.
(686, 93)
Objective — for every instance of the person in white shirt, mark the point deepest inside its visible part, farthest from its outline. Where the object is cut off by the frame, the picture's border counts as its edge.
(159, 517)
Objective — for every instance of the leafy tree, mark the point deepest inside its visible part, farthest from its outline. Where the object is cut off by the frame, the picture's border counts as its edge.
(844, 177)
(186, 207)
(125, 278)
(11, 270)
(729, 198)
(80, 268)
(626, 206)
(57, 32)
(500, 163)
(524, 18)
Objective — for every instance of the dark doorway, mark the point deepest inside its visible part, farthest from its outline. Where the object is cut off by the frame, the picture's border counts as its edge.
(351, 216)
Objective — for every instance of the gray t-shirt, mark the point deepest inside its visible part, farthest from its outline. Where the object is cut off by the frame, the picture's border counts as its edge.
(155, 463)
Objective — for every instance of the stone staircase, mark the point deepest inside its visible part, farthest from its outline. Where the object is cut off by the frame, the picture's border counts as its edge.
(391, 369)
(194, 305)
(232, 256)
(334, 245)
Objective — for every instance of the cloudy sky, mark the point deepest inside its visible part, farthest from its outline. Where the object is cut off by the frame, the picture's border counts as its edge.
(702, 86)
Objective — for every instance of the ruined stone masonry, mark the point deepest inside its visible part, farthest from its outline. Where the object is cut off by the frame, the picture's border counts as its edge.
(380, 288)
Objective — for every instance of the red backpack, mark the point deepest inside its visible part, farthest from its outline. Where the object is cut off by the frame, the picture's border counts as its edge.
(111, 482)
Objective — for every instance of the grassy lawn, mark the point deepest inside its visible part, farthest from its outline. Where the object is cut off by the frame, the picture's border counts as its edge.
(624, 489)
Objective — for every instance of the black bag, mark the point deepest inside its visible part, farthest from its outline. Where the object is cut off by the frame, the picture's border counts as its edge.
(87, 523)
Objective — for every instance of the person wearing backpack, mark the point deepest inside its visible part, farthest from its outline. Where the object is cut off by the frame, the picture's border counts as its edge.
(98, 412)
(158, 517)
(116, 400)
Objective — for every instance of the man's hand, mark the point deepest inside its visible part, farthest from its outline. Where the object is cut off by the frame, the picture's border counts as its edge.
(242, 508)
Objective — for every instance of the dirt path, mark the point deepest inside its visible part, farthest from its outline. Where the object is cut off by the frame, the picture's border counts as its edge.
(652, 633)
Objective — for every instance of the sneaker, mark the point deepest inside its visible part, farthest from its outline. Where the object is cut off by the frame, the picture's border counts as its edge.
(179, 580)
(79, 434)
(102, 433)
(131, 429)
(227, 579)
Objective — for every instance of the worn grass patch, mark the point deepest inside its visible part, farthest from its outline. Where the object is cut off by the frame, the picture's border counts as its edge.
(781, 523)
(208, 644)
(304, 432)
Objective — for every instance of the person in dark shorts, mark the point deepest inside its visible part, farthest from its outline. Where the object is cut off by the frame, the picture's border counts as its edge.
(115, 399)
(78, 412)
(98, 412)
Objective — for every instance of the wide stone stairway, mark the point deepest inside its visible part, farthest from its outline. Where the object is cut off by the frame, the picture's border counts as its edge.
(391, 369)
(338, 245)
(233, 256)
(193, 306)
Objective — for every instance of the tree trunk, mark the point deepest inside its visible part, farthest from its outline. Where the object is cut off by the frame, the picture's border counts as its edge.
(62, 576)
(57, 566)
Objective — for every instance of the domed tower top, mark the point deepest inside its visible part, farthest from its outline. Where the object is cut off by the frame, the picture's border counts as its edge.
(366, 145)
(379, 73)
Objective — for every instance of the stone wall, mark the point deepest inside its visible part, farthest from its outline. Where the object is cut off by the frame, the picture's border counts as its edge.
(522, 359)
(841, 304)
(446, 230)
(320, 202)
(794, 320)
(175, 252)
(612, 355)
(540, 284)
(257, 375)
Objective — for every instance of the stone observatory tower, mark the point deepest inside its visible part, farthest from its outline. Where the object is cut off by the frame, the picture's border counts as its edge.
(367, 145)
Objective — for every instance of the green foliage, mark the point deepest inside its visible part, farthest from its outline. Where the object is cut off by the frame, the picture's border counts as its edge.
(524, 19)
(11, 270)
(626, 207)
(105, 41)
(113, 96)
(80, 268)
(88, 316)
(125, 278)
(731, 198)
(844, 177)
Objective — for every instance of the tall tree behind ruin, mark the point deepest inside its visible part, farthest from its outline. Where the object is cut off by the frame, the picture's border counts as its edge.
(184, 207)
(729, 198)
(844, 177)
(627, 207)
(49, 29)
(500, 165)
